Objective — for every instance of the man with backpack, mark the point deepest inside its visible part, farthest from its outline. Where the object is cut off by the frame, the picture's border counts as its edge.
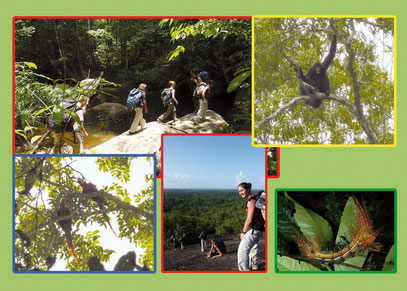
(137, 101)
(203, 101)
(168, 99)
(199, 80)
(68, 124)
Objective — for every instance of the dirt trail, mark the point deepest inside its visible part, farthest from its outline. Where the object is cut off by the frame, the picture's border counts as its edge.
(192, 259)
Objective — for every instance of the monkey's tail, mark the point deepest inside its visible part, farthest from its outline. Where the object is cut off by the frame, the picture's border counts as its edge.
(71, 247)
(108, 222)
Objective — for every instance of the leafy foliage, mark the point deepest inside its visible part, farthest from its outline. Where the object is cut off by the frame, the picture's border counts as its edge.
(305, 41)
(272, 161)
(54, 179)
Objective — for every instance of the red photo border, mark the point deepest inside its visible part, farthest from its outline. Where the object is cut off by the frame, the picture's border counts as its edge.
(162, 205)
(13, 40)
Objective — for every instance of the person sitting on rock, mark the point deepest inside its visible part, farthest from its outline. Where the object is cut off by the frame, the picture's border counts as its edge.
(203, 102)
(138, 118)
(218, 248)
(168, 99)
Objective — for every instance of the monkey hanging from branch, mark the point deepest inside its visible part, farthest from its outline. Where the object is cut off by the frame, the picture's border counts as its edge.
(316, 81)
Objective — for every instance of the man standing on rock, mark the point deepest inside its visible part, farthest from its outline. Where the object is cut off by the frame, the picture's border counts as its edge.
(141, 103)
(203, 238)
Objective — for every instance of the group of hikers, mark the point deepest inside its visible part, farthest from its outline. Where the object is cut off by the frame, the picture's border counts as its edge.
(253, 229)
(137, 101)
(203, 86)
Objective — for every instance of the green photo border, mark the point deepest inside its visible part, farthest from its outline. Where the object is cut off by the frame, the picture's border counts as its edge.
(334, 189)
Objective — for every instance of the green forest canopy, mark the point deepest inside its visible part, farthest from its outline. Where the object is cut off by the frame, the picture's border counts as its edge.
(191, 211)
(42, 182)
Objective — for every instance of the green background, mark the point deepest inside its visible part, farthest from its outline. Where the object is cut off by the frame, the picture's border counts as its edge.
(300, 167)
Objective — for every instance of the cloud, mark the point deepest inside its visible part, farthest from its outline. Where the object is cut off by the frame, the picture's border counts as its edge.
(177, 178)
(240, 177)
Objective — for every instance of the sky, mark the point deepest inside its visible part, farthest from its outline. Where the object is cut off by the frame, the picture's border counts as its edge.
(212, 162)
(138, 169)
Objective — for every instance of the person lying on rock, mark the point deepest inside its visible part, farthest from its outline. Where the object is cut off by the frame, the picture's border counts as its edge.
(218, 248)
(168, 99)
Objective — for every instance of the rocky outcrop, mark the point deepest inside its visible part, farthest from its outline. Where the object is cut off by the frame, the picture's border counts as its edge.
(148, 141)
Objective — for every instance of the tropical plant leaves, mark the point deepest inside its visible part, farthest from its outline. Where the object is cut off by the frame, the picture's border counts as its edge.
(312, 224)
(288, 264)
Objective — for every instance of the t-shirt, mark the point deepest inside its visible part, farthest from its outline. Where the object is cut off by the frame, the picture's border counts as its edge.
(81, 115)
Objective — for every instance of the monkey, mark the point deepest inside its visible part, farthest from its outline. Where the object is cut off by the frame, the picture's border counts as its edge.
(317, 77)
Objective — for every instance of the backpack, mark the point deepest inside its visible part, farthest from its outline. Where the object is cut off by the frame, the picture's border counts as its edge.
(199, 90)
(166, 95)
(67, 121)
(204, 76)
(259, 211)
(172, 238)
(135, 98)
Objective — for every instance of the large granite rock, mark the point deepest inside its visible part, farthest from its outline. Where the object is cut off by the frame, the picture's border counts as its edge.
(148, 141)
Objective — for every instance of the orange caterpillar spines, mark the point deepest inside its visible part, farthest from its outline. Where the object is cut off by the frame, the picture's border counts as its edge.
(363, 227)
(362, 235)
(307, 246)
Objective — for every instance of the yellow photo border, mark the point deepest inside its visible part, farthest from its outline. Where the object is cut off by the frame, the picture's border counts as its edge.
(254, 17)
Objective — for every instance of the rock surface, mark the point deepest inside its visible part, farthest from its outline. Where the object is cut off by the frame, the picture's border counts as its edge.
(192, 259)
(148, 141)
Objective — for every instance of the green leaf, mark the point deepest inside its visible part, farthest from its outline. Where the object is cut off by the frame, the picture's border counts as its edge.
(357, 261)
(57, 114)
(389, 262)
(62, 86)
(289, 264)
(312, 224)
(20, 133)
(27, 128)
(236, 81)
(43, 109)
(31, 65)
(347, 221)
(35, 138)
(74, 115)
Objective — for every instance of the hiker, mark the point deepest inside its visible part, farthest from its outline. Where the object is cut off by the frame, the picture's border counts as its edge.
(78, 128)
(199, 80)
(218, 248)
(168, 99)
(68, 124)
(203, 238)
(203, 102)
(195, 79)
(181, 240)
(252, 230)
(138, 102)
(173, 240)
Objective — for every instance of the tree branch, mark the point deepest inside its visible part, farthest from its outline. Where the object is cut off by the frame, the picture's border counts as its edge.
(356, 89)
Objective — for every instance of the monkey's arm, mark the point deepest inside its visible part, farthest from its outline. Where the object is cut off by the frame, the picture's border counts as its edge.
(332, 51)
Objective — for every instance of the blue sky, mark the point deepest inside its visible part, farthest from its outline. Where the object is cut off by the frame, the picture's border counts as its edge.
(209, 161)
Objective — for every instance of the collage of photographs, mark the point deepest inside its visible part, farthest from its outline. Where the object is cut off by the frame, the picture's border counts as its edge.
(158, 145)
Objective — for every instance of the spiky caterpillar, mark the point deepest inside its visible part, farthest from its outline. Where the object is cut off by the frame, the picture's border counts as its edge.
(362, 236)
